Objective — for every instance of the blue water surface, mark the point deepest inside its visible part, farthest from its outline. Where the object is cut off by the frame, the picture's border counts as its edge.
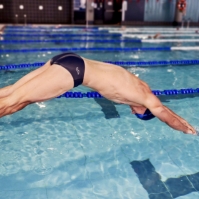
(94, 148)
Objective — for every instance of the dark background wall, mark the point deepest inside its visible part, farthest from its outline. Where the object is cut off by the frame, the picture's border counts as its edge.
(135, 11)
(49, 14)
(112, 12)
(6, 14)
(105, 11)
(138, 12)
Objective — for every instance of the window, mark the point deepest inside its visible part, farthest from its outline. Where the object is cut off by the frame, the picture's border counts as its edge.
(21, 7)
(41, 7)
(60, 8)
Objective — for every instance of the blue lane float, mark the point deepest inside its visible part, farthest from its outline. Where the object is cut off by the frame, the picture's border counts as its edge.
(71, 41)
(119, 63)
(154, 63)
(29, 27)
(110, 49)
(155, 92)
(66, 35)
(21, 66)
(53, 30)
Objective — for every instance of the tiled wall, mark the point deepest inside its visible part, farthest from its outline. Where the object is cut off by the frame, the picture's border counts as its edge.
(135, 11)
(192, 12)
(163, 10)
(159, 10)
(6, 11)
(36, 11)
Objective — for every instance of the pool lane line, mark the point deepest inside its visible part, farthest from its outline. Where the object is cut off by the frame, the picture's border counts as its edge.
(83, 49)
(53, 30)
(187, 48)
(94, 94)
(60, 35)
(109, 49)
(152, 31)
(119, 63)
(151, 28)
(145, 36)
(168, 40)
(17, 41)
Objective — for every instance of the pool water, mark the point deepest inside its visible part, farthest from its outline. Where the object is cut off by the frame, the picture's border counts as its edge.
(94, 148)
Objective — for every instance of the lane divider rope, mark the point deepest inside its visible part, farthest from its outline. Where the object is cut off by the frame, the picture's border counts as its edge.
(155, 92)
(60, 35)
(53, 30)
(110, 49)
(119, 63)
(14, 41)
(18, 41)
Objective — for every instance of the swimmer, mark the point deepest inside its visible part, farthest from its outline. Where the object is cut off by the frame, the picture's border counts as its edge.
(123, 28)
(68, 70)
(156, 36)
(58, 26)
(2, 29)
(35, 26)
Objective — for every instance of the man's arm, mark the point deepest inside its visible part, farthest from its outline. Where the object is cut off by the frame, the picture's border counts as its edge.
(166, 115)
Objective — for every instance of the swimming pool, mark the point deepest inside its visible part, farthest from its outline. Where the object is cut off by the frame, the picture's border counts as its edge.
(93, 148)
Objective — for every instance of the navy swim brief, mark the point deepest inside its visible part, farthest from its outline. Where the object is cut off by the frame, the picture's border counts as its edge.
(73, 63)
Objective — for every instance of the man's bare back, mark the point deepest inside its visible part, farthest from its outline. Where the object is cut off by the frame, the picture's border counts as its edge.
(113, 82)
